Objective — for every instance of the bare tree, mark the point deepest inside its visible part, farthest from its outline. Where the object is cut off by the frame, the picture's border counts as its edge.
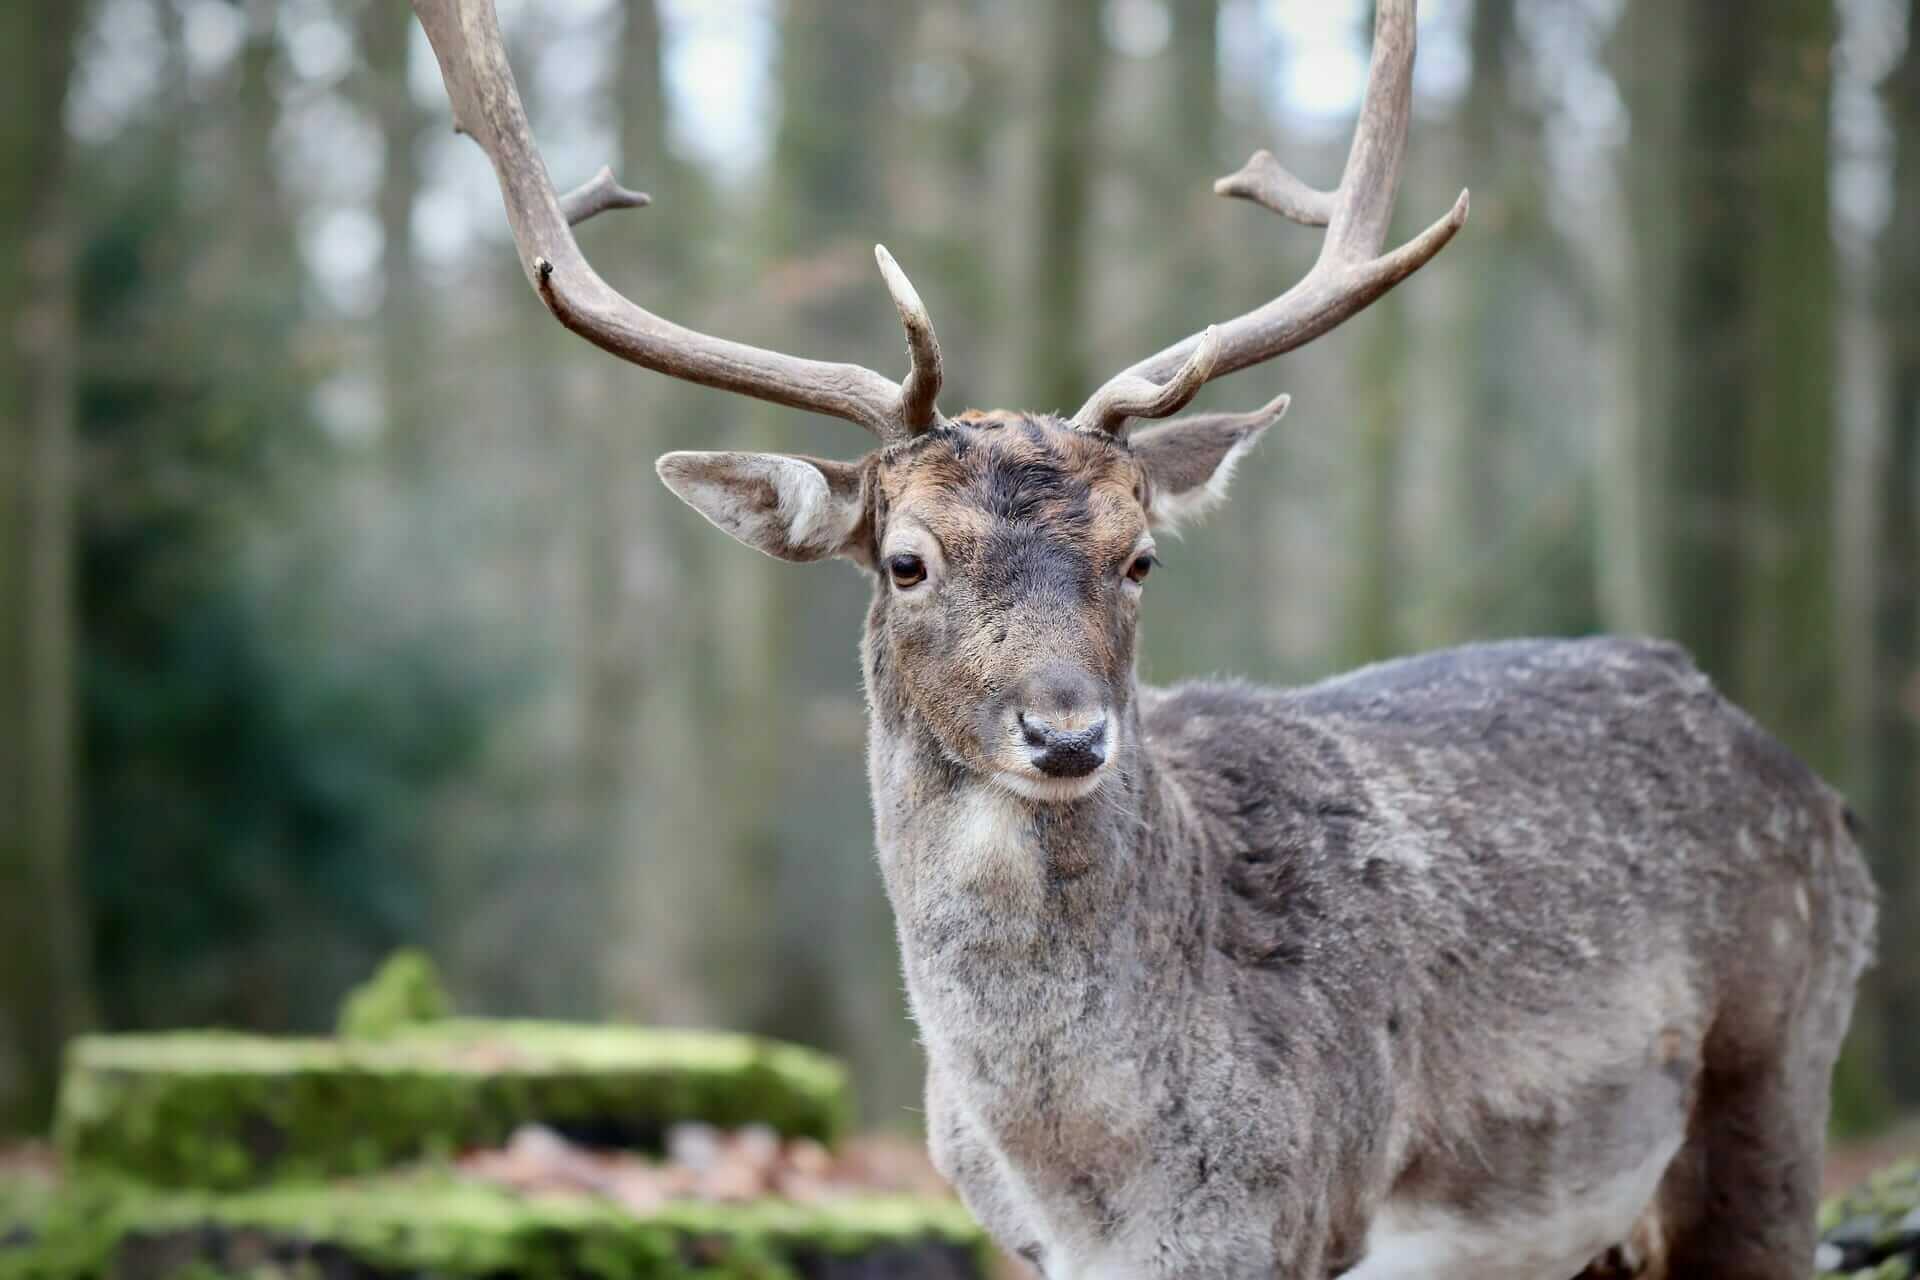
(1733, 298)
(1053, 312)
(405, 334)
(43, 988)
(1895, 804)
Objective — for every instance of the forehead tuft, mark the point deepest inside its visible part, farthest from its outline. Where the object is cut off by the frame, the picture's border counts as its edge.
(1019, 469)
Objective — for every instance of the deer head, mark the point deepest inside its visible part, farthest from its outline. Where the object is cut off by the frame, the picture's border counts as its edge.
(1010, 554)
(1009, 550)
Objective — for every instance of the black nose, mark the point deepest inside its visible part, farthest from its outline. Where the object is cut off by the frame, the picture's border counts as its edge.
(1062, 754)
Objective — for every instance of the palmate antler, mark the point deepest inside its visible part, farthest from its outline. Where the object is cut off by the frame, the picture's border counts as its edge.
(1350, 273)
(465, 35)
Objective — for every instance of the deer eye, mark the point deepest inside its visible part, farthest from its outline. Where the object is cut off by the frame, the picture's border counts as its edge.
(1142, 566)
(906, 570)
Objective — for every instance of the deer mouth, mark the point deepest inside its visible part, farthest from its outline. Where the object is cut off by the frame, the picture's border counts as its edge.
(1058, 756)
(1059, 774)
(1033, 785)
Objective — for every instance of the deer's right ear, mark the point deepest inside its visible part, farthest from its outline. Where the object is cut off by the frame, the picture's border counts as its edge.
(792, 508)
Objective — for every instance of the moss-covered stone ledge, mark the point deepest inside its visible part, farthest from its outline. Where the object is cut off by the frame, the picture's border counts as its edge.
(25, 1204)
(412, 1225)
(223, 1111)
(1873, 1231)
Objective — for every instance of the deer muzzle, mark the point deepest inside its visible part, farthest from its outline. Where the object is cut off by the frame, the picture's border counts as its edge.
(1061, 752)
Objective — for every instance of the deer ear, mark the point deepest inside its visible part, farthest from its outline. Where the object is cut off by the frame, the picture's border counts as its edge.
(791, 508)
(1190, 460)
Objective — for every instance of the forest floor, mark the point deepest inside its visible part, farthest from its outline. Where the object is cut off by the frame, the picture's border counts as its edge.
(1851, 1162)
(904, 1162)
(722, 1167)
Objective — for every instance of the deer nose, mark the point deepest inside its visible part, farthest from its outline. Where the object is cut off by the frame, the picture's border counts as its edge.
(1064, 753)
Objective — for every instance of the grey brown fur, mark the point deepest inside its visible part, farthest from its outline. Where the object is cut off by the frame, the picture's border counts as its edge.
(1470, 935)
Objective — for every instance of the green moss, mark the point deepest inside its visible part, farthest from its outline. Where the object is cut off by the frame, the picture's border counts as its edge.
(25, 1202)
(1870, 1227)
(224, 1111)
(410, 1225)
(404, 993)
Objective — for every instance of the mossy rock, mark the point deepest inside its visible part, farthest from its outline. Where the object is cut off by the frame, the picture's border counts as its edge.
(25, 1203)
(1873, 1231)
(404, 993)
(412, 1225)
(222, 1111)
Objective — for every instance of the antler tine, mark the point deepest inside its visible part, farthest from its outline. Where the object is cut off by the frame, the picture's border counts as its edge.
(597, 195)
(465, 35)
(1268, 183)
(1129, 396)
(921, 390)
(1351, 273)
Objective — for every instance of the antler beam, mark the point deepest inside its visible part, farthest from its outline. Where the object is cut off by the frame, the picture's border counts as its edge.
(465, 35)
(1350, 273)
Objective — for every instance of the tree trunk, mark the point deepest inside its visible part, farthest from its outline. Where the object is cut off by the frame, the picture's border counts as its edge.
(777, 628)
(1732, 316)
(1893, 797)
(1507, 452)
(1058, 372)
(1371, 623)
(630, 803)
(1692, 126)
(1734, 266)
(1663, 189)
(1487, 128)
(43, 989)
(406, 330)
(1788, 663)
(1190, 286)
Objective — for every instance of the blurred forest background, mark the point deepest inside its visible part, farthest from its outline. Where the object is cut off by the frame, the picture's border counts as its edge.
(340, 608)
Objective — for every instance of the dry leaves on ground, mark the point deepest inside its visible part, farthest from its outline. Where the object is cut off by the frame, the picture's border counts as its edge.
(704, 1163)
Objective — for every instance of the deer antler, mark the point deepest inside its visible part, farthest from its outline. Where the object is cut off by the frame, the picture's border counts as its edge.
(465, 35)
(1350, 273)
(1131, 396)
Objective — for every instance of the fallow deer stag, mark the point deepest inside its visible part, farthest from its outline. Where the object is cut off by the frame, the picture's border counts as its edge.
(1506, 961)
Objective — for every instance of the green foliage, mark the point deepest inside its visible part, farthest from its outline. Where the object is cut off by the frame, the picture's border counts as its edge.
(1875, 1228)
(428, 1224)
(1862, 1101)
(405, 991)
(26, 1201)
(220, 1110)
(254, 789)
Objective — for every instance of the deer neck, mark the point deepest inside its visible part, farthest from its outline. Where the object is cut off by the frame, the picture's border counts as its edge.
(1045, 923)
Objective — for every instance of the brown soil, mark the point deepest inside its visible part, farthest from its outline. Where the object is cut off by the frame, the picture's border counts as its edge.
(1851, 1163)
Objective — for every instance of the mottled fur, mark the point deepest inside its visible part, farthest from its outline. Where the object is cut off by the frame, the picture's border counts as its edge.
(1437, 968)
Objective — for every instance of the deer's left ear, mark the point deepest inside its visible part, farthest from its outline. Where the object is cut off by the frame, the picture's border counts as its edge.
(1190, 460)
(789, 507)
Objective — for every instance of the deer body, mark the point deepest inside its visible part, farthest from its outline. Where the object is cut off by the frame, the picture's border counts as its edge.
(1477, 966)
(1414, 972)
